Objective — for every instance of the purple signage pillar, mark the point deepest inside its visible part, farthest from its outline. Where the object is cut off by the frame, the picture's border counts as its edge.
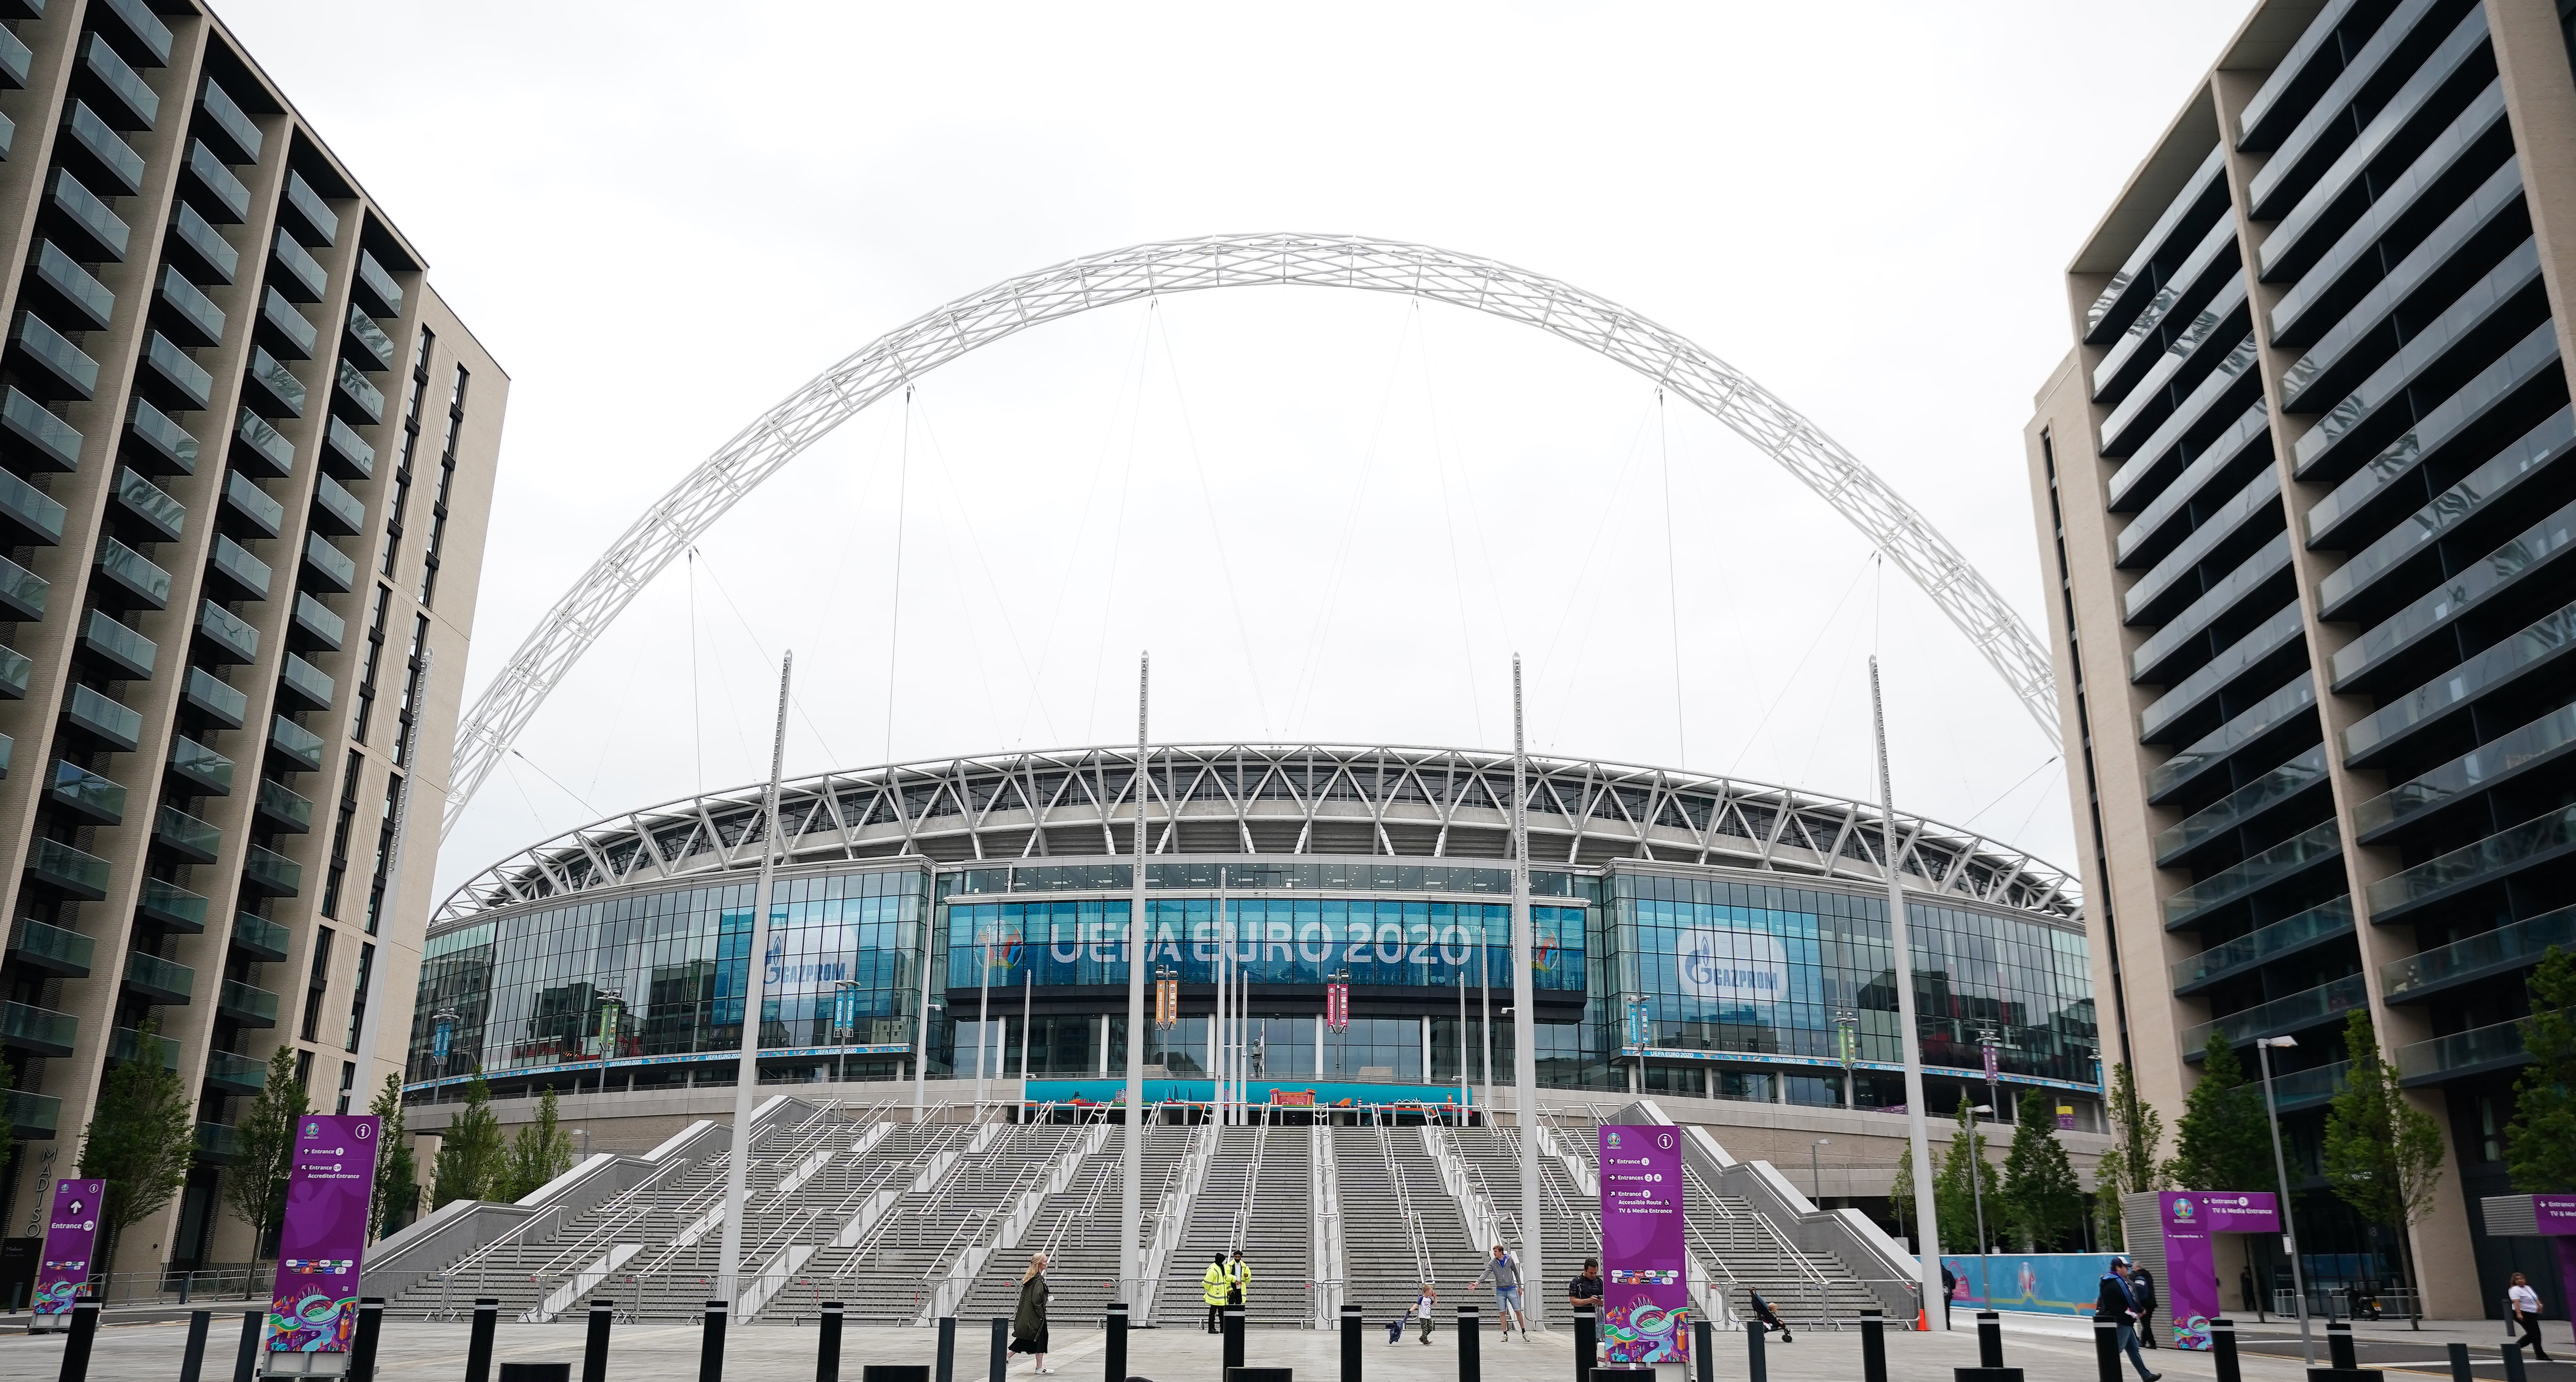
(71, 1240)
(2190, 1217)
(315, 1305)
(1645, 1298)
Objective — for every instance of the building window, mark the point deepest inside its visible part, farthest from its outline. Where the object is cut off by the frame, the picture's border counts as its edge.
(446, 478)
(340, 836)
(304, 1070)
(388, 826)
(375, 654)
(348, 1082)
(403, 454)
(314, 987)
(411, 690)
(358, 1004)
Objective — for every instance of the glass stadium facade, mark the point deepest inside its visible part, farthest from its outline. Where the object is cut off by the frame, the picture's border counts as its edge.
(1700, 935)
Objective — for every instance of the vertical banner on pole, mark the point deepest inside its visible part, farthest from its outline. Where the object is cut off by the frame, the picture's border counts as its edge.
(1645, 1314)
(71, 1239)
(315, 1306)
(2189, 1218)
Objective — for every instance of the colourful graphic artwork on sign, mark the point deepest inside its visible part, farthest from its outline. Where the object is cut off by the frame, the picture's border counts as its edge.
(1645, 1306)
(315, 1305)
(71, 1240)
(2191, 1267)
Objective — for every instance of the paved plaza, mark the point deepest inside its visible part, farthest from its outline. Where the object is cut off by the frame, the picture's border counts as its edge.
(2050, 1350)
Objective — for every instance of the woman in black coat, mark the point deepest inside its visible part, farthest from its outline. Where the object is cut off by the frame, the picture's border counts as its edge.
(1029, 1322)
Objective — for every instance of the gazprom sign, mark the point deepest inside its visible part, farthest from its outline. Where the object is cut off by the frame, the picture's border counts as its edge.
(1731, 965)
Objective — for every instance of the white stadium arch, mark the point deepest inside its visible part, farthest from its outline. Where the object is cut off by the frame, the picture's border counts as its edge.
(1237, 261)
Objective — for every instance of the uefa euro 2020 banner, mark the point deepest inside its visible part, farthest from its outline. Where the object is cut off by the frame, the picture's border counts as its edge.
(71, 1241)
(1645, 1293)
(315, 1305)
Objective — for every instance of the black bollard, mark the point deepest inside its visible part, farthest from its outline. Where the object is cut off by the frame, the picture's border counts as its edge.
(947, 1355)
(193, 1362)
(2339, 1347)
(594, 1347)
(2513, 1363)
(1233, 1342)
(1704, 1346)
(1001, 1359)
(478, 1347)
(2460, 1364)
(2106, 1351)
(1756, 1367)
(362, 1348)
(2222, 1346)
(246, 1361)
(711, 1344)
(1587, 1341)
(1354, 1326)
(1113, 1354)
(827, 1344)
(1873, 1346)
(84, 1334)
(1990, 1353)
(1471, 1346)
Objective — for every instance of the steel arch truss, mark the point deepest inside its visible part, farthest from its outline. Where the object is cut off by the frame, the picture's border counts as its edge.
(1268, 800)
(1230, 261)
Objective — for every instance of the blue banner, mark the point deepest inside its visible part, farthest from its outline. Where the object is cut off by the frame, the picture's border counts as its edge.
(1282, 1093)
(2046, 1283)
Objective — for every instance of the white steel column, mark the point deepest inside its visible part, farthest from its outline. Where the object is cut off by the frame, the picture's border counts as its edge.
(1131, 1265)
(1927, 1224)
(1524, 1009)
(921, 1041)
(746, 1088)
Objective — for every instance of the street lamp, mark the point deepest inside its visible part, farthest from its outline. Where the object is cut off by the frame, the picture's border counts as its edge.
(1847, 1040)
(1977, 1187)
(1815, 1172)
(845, 1021)
(2281, 1169)
(1640, 1027)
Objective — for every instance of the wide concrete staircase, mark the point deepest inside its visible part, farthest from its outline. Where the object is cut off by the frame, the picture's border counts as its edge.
(1258, 1199)
(1402, 1228)
(1077, 1227)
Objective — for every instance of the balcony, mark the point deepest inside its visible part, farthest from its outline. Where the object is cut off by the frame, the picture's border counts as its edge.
(317, 623)
(127, 1044)
(236, 1074)
(272, 873)
(331, 569)
(193, 317)
(370, 339)
(218, 702)
(249, 1006)
(216, 258)
(2375, 483)
(375, 283)
(172, 907)
(197, 841)
(78, 210)
(27, 514)
(226, 634)
(161, 445)
(224, 119)
(2288, 936)
(360, 396)
(32, 1117)
(259, 938)
(15, 668)
(50, 948)
(2494, 954)
(85, 300)
(40, 1031)
(2288, 859)
(2525, 562)
(320, 221)
(273, 388)
(94, 712)
(2481, 495)
(118, 646)
(144, 29)
(2507, 756)
(43, 439)
(237, 574)
(162, 981)
(137, 575)
(154, 506)
(218, 1145)
(77, 872)
(201, 767)
(22, 592)
(2477, 1051)
(134, 105)
(336, 511)
(66, 369)
(2493, 859)
(290, 331)
(2316, 1007)
(17, 60)
(2188, 710)
(345, 453)
(244, 499)
(287, 810)
(213, 188)
(85, 794)
(304, 278)
(181, 382)
(308, 686)
(264, 450)
(2318, 1084)
(109, 158)
(299, 745)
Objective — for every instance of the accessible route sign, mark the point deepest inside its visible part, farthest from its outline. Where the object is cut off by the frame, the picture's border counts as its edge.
(1645, 1293)
(315, 1306)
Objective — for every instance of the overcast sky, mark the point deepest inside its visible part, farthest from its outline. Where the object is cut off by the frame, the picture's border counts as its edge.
(1330, 515)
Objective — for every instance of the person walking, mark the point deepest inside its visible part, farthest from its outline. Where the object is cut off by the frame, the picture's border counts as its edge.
(1029, 1322)
(2522, 1305)
(2114, 1305)
(1214, 1287)
(2142, 1285)
(1949, 1292)
(1585, 1289)
(2245, 1287)
(1507, 1291)
(1238, 1277)
(1426, 1307)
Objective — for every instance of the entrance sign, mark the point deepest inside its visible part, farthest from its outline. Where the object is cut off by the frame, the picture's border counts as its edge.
(315, 1305)
(71, 1240)
(2508, 1216)
(2174, 1241)
(1645, 1298)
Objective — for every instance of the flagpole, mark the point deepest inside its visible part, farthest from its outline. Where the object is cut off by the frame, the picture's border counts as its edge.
(1131, 1266)
(1524, 1009)
(1927, 1223)
(746, 1088)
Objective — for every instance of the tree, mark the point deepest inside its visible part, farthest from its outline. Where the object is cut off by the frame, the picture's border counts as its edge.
(2224, 1140)
(2383, 1155)
(469, 1157)
(539, 1152)
(141, 1138)
(255, 1187)
(1954, 1193)
(397, 1193)
(2137, 1139)
(2042, 1200)
(2540, 1141)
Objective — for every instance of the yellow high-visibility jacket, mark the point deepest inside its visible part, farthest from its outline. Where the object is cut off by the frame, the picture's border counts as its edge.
(1240, 1273)
(1212, 1287)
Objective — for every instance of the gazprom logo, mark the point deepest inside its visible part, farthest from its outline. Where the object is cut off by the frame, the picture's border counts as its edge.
(1731, 965)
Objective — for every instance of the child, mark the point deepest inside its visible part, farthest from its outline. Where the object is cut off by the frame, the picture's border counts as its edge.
(1424, 1306)
(1770, 1318)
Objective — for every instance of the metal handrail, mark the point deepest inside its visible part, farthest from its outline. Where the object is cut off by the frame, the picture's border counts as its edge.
(1414, 1236)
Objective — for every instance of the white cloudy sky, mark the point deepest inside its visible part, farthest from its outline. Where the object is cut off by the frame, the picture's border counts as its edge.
(1330, 515)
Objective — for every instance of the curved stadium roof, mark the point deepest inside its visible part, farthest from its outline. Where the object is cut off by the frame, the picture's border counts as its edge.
(1266, 799)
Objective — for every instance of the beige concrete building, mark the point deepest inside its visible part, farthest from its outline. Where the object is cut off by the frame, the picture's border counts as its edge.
(245, 459)
(2303, 507)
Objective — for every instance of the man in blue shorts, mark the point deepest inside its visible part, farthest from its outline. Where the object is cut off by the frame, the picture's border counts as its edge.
(1507, 1292)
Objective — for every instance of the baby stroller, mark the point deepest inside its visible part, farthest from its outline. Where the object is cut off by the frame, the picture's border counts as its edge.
(1769, 1317)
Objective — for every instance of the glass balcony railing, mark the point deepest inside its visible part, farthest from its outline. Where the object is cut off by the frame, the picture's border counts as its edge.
(75, 871)
(2524, 557)
(2244, 804)
(189, 228)
(187, 379)
(2513, 946)
(301, 746)
(2476, 770)
(107, 149)
(371, 338)
(127, 1044)
(259, 937)
(272, 382)
(31, 515)
(361, 395)
(225, 115)
(218, 1145)
(226, 200)
(289, 811)
(90, 300)
(120, 646)
(330, 568)
(304, 273)
(380, 285)
(101, 715)
(296, 333)
(191, 311)
(22, 592)
(247, 574)
(265, 449)
(40, 1030)
(2461, 1054)
(165, 980)
(33, 1117)
(141, 106)
(173, 906)
(354, 459)
(226, 632)
(2299, 1011)
(248, 1005)
(15, 669)
(320, 221)
(17, 61)
(239, 1074)
(145, 26)
(155, 506)
(272, 873)
(86, 794)
(244, 497)
(2286, 936)
(81, 209)
(166, 447)
(2497, 856)
(2376, 478)
(136, 574)
(186, 835)
(316, 620)
(2256, 649)
(2537, 646)
(2307, 1088)
(306, 682)
(2501, 476)
(2287, 859)
(49, 441)
(51, 948)
(219, 702)
(2173, 572)
(67, 366)
(336, 510)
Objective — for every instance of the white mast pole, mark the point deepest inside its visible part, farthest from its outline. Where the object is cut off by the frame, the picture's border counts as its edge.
(1131, 1267)
(1524, 1009)
(746, 1087)
(1927, 1224)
